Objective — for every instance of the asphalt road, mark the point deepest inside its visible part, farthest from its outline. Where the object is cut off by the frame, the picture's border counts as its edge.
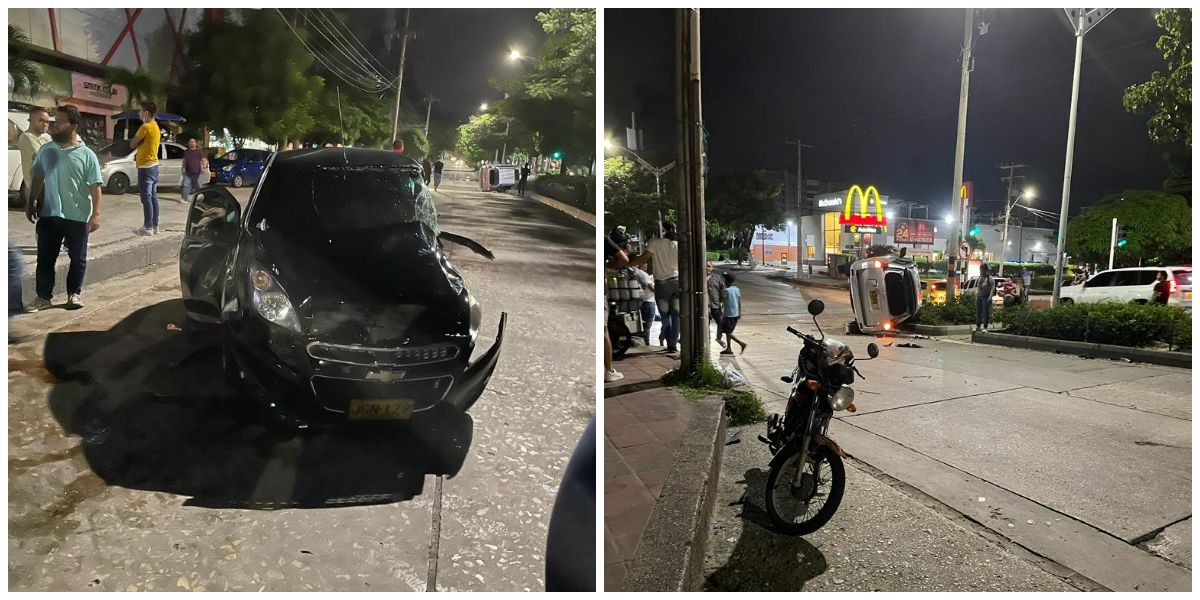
(125, 472)
(971, 467)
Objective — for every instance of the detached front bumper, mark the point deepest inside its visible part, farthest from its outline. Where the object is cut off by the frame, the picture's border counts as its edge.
(305, 390)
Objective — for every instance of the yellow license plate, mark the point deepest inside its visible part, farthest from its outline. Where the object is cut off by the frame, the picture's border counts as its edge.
(380, 410)
(874, 294)
(1187, 296)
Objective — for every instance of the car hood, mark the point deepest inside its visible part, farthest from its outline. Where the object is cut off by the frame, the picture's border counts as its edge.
(384, 286)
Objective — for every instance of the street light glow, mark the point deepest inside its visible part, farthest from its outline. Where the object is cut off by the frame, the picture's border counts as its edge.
(608, 145)
(889, 214)
(483, 107)
(514, 55)
(1029, 193)
(949, 219)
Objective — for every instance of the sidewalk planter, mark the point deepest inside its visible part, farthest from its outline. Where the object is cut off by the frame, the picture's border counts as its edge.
(937, 329)
(1112, 323)
(1142, 355)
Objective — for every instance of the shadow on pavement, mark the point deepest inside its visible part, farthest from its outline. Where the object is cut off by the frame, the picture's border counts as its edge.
(764, 559)
(149, 403)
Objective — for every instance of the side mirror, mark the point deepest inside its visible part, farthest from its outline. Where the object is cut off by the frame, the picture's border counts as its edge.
(872, 350)
(816, 307)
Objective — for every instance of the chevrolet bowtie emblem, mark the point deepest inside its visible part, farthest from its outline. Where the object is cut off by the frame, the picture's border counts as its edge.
(387, 376)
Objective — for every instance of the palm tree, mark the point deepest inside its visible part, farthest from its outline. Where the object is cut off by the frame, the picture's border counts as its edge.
(139, 85)
(24, 73)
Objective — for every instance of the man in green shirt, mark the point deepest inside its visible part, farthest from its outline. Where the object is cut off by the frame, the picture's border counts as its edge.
(66, 188)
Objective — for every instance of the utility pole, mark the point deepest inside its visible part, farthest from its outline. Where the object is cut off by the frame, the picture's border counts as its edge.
(429, 100)
(694, 332)
(954, 236)
(341, 126)
(400, 75)
(1008, 204)
(800, 146)
(1112, 244)
(1082, 21)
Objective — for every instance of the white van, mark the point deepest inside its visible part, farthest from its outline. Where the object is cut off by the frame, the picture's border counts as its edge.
(1133, 284)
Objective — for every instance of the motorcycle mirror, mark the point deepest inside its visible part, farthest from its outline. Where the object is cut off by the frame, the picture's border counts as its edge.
(872, 350)
(816, 307)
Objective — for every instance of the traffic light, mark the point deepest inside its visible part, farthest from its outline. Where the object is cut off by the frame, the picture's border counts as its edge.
(975, 231)
(557, 155)
(1122, 235)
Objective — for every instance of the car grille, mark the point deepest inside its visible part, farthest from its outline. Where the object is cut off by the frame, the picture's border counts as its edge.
(385, 357)
(335, 394)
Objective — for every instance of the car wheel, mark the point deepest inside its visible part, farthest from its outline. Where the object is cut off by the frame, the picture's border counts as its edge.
(118, 184)
(238, 181)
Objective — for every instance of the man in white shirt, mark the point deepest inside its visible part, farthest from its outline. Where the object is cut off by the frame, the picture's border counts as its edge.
(30, 141)
(665, 268)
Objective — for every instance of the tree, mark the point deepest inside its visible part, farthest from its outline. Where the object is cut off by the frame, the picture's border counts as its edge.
(976, 242)
(228, 84)
(1168, 99)
(1159, 227)
(25, 74)
(478, 135)
(139, 86)
(741, 200)
(629, 196)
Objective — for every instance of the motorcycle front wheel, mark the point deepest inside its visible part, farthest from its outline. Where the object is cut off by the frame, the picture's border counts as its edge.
(801, 503)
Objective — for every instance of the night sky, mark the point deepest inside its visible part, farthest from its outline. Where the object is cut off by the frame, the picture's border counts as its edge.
(455, 51)
(876, 91)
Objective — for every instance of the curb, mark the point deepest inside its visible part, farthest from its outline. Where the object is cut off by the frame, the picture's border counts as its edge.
(670, 556)
(802, 282)
(937, 329)
(577, 213)
(1142, 355)
(105, 266)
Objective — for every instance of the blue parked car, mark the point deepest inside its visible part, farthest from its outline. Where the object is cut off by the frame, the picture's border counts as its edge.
(240, 167)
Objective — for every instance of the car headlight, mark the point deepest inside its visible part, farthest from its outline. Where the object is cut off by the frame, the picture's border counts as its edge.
(271, 301)
(227, 168)
(842, 398)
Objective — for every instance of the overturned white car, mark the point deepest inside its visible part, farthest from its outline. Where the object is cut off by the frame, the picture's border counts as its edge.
(884, 292)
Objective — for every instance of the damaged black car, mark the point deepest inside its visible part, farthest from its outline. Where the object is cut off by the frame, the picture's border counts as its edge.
(333, 293)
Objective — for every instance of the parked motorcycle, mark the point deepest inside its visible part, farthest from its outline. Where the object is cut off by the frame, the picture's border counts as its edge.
(807, 477)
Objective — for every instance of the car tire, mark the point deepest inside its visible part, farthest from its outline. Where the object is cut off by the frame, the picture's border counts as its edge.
(1067, 301)
(238, 181)
(117, 184)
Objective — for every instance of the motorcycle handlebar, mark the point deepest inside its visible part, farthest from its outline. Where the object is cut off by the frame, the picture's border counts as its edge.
(798, 334)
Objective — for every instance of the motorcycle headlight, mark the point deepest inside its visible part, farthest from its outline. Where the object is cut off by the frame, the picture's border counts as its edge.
(842, 398)
(271, 301)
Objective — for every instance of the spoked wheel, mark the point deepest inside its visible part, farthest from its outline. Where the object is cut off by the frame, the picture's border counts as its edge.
(801, 503)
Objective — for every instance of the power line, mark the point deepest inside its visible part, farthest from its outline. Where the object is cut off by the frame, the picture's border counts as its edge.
(356, 70)
(364, 49)
(346, 49)
(943, 100)
(349, 80)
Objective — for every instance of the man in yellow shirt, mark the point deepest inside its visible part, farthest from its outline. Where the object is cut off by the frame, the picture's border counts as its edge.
(147, 141)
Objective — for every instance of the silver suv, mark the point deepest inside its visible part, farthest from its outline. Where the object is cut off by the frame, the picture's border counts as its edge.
(119, 172)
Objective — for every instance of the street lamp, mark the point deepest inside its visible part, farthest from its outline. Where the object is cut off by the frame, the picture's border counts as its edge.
(657, 171)
(483, 107)
(1008, 206)
(949, 219)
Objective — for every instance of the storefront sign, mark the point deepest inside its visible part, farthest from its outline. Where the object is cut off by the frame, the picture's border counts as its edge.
(864, 229)
(913, 231)
(97, 90)
(864, 198)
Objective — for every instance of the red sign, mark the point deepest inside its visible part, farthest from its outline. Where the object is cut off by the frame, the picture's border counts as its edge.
(967, 193)
(913, 231)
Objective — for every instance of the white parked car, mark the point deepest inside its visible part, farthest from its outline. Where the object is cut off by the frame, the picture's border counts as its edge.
(18, 123)
(119, 172)
(1133, 284)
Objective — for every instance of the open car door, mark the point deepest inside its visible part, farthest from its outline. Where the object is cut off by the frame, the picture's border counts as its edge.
(212, 231)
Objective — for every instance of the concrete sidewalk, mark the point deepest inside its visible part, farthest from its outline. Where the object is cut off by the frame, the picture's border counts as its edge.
(115, 248)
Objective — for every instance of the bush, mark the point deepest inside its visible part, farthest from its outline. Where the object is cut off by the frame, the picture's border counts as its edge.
(957, 311)
(1043, 282)
(744, 408)
(579, 192)
(739, 254)
(1113, 323)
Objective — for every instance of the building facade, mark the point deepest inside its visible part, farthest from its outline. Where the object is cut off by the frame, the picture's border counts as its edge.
(75, 47)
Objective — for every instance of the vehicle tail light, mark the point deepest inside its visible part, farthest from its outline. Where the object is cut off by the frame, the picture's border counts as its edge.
(851, 408)
(812, 384)
(1174, 286)
(887, 325)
